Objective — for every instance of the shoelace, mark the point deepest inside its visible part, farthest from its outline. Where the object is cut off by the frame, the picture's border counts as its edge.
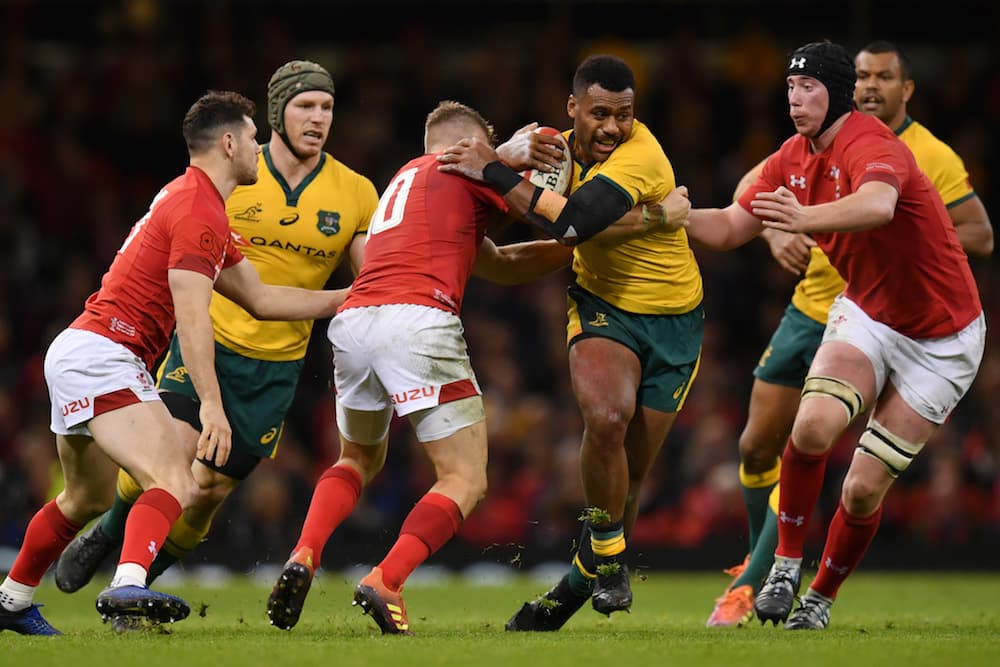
(783, 578)
(90, 545)
(815, 611)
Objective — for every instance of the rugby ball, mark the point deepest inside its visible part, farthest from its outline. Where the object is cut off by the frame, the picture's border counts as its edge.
(557, 181)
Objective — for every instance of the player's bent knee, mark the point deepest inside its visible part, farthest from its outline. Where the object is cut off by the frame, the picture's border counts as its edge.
(82, 505)
(861, 496)
(893, 452)
(844, 392)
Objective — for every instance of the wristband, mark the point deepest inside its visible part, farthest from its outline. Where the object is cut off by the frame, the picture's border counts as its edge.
(536, 195)
(502, 178)
(648, 219)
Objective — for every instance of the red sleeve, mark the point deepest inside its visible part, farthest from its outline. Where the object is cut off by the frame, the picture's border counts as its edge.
(198, 246)
(233, 253)
(769, 180)
(875, 158)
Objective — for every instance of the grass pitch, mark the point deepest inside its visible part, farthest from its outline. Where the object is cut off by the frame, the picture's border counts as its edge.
(901, 620)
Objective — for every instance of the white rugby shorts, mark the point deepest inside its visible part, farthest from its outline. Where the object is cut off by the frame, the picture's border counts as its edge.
(932, 375)
(401, 357)
(89, 375)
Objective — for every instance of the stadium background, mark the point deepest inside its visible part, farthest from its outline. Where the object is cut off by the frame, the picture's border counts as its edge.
(93, 94)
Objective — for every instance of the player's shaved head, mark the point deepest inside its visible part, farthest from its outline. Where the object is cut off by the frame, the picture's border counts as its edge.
(451, 121)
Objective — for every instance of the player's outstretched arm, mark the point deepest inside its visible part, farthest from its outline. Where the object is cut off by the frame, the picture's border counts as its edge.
(872, 205)
(242, 284)
(517, 263)
(667, 215)
(722, 228)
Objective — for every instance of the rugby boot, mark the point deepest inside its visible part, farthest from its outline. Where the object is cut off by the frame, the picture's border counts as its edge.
(284, 605)
(154, 606)
(27, 621)
(813, 613)
(384, 606)
(549, 612)
(733, 609)
(612, 591)
(774, 602)
(82, 557)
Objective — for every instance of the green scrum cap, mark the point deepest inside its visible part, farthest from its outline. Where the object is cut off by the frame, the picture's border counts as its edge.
(289, 80)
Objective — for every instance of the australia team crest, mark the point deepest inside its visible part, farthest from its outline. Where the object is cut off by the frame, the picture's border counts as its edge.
(328, 222)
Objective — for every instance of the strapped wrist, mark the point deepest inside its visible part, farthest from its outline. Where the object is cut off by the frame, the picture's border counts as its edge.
(502, 178)
(649, 218)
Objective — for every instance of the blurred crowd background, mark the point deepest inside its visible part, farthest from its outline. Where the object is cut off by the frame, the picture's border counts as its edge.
(93, 94)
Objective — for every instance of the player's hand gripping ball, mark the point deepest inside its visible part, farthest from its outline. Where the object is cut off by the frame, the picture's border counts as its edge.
(558, 181)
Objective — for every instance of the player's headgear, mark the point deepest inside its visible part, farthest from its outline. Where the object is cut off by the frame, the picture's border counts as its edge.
(292, 78)
(830, 64)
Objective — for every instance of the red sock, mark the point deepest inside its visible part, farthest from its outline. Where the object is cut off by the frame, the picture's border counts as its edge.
(801, 483)
(47, 535)
(430, 524)
(336, 494)
(847, 541)
(147, 526)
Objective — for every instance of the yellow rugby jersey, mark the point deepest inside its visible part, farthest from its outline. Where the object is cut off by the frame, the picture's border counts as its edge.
(293, 237)
(656, 274)
(816, 291)
(937, 159)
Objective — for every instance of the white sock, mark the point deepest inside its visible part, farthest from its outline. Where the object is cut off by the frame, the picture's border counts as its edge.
(15, 596)
(810, 593)
(129, 574)
(782, 561)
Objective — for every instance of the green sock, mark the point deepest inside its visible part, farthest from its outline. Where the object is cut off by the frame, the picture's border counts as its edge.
(160, 564)
(755, 500)
(762, 556)
(579, 583)
(113, 521)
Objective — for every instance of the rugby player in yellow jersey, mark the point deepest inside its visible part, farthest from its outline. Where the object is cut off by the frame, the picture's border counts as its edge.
(634, 332)
(884, 86)
(306, 214)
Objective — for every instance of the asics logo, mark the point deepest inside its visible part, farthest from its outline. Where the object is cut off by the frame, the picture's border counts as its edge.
(289, 220)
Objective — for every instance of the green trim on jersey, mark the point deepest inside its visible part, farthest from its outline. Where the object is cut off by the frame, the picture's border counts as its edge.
(298, 245)
(291, 196)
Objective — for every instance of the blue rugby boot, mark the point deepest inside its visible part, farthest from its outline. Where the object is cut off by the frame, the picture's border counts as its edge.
(27, 621)
(140, 601)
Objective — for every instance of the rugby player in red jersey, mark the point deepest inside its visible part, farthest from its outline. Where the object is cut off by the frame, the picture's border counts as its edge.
(106, 412)
(904, 338)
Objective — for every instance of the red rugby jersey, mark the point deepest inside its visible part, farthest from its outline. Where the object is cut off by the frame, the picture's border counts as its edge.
(186, 228)
(424, 238)
(910, 274)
